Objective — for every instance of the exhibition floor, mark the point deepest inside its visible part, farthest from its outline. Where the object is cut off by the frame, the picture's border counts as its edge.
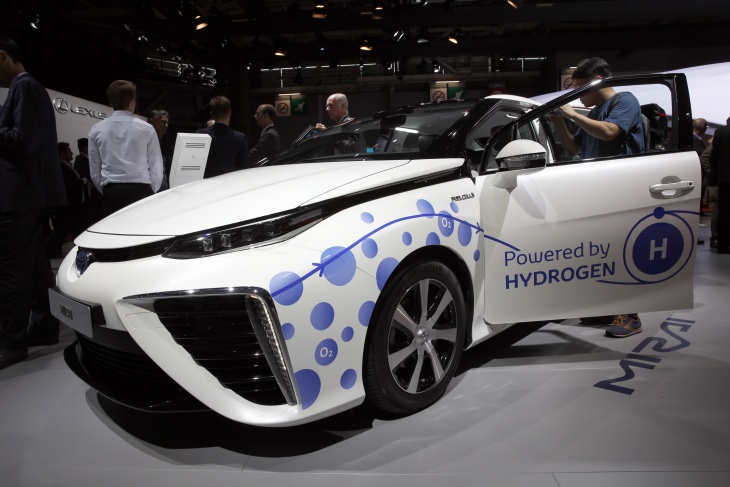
(534, 407)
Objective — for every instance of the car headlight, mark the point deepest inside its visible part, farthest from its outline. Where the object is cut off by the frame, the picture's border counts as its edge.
(252, 234)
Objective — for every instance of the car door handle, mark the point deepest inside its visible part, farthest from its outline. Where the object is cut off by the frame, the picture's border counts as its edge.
(672, 190)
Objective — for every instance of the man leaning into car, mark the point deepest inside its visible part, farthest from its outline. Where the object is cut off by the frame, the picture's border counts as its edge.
(613, 127)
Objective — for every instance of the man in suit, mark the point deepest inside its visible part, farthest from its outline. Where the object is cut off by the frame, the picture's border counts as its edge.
(720, 175)
(30, 182)
(228, 149)
(269, 141)
(160, 121)
(67, 219)
(337, 110)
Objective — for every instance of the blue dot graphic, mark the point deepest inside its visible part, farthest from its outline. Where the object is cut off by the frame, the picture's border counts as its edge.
(446, 223)
(454, 207)
(322, 316)
(385, 269)
(347, 334)
(341, 268)
(309, 386)
(659, 212)
(348, 379)
(369, 248)
(477, 254)
(464, 232)
(367, 217)
(425, 208)
(658, 248)
(326, 352)
(287, 329)
(281, 281)
(432, 239)
(407, 238)
(366, 311)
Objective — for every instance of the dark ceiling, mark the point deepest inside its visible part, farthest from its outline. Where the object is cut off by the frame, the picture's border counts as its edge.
(85, 38)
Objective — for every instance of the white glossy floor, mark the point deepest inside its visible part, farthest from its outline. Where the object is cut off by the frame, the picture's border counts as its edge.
(522, 412)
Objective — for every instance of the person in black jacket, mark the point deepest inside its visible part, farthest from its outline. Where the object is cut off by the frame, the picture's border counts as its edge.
(30, 182)
(269, 141)
(92, 206)
(67, 219)
(228, 149)
(720, 175)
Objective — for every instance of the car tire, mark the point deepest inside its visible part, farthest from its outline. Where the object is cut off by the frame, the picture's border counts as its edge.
(411, 358)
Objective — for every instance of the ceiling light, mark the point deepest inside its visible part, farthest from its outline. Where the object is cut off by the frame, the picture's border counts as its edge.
(398, 35)
(516, 3)
(201, 25)
(366, 46)
(279, 53)
(454, 36)
(319, 11)
(378, 13)
(36, 22)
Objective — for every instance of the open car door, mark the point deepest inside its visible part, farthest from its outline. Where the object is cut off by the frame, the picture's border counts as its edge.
(569, 236)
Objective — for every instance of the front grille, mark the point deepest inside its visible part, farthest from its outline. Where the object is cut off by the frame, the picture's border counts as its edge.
(217, 333)
(114, 365)
(124, 368)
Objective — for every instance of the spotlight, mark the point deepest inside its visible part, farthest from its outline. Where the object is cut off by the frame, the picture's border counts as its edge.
(398, 35)
(201, 25)
(516, 3)
(279, 53)
(454, 36)
(36, 22)
(366, 46)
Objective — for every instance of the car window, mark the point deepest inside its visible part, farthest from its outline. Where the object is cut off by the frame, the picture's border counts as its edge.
(649, 129)
(409, 130)
(527, 131)
(479, 136)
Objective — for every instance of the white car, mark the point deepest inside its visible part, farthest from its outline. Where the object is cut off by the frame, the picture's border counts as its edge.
(360, 262)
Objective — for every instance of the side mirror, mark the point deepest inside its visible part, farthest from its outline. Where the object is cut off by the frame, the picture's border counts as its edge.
(521, 154)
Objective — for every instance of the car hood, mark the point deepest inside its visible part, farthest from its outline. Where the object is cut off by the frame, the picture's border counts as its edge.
(246, 195)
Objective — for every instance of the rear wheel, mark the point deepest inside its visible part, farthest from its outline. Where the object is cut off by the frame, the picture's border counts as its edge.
(417, 340)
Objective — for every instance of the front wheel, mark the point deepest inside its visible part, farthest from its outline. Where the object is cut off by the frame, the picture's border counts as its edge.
(418, 337)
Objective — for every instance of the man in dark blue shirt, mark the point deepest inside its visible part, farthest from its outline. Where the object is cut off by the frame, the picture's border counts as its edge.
(613, 126)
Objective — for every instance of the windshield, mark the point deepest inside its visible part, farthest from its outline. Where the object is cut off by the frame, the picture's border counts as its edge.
(384, 135)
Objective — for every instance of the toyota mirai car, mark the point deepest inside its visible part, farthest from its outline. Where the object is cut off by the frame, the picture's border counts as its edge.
(359, 263)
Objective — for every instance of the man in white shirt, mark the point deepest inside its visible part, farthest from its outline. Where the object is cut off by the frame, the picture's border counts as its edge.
(125, 160)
